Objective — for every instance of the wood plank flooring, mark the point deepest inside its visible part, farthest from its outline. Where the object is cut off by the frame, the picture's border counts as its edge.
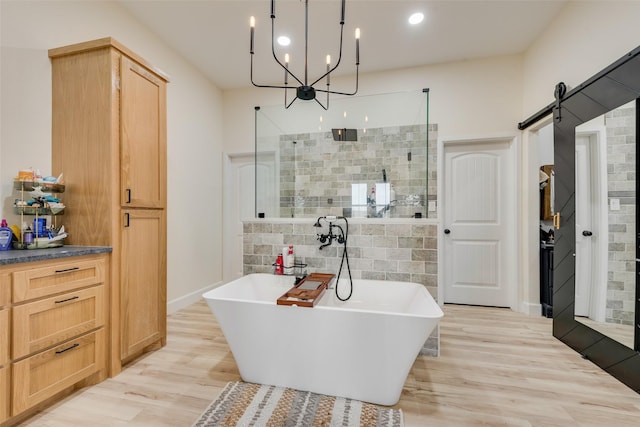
(497, 368)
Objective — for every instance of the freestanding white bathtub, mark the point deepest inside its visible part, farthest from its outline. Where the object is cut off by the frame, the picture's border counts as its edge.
(361, 349)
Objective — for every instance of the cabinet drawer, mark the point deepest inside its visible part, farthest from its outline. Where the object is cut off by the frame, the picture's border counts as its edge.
(4, 337)
(41, 376)
(56, 277)
(41, 324)
(4, 394)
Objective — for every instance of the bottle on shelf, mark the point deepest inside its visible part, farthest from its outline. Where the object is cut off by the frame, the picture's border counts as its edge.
(372, 197)
(279, 265)
(289, 261)
(6, 236)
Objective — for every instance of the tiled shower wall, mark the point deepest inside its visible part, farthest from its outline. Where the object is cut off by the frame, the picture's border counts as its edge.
(621, 183)
(316, 172)
(399, 251)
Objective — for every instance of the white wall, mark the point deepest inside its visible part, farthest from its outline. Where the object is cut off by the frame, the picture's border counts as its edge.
(475, 97)
(194, 124)
(585, 37)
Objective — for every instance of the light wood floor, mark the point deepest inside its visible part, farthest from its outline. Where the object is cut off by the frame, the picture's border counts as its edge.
(497, 368)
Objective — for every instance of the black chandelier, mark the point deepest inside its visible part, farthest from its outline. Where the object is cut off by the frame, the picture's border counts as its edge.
(305, 91)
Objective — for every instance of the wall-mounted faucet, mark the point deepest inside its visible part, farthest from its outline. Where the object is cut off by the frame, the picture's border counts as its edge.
(327, 239)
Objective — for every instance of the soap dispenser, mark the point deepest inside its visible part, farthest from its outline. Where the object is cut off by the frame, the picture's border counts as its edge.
(6, 235)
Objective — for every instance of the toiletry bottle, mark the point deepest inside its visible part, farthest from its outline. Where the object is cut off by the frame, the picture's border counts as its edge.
(279, 265)
(6, 235)
(285, 266)
(289, 261)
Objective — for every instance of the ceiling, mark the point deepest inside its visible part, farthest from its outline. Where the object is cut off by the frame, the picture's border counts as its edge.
(213, 35)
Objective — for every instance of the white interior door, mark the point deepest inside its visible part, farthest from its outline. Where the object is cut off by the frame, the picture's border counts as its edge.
(267, 197)
(240, 203)
(478, 225)
(584, 227)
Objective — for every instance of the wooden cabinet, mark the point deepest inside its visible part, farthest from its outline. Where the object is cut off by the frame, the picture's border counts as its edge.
(143, 160)
(53, 329)
(44, 374)
(109, 140)
(142, 251)
(43, 323)
(56, 277)
(5, 332)
(4, 393)
(4, 336)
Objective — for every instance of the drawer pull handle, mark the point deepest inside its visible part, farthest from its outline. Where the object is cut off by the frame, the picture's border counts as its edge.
(68, 269)
(66, 300)
(68, 348)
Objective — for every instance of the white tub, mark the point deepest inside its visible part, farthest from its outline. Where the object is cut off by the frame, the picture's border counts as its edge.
(361, 349)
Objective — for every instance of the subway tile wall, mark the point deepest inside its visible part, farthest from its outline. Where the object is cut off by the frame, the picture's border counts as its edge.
(387, 251)
(621, 183)
(316, 172)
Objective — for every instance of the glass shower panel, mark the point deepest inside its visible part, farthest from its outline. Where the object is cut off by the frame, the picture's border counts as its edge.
(309, 160)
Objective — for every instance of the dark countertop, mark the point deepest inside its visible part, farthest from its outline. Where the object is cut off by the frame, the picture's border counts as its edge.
(15, 256)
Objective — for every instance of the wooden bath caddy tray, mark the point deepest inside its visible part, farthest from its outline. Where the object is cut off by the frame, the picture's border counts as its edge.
(308, 292)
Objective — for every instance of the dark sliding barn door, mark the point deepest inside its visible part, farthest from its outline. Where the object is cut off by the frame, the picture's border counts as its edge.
(616, 85)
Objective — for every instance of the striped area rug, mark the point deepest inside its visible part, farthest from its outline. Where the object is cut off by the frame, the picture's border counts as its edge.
(246, 404)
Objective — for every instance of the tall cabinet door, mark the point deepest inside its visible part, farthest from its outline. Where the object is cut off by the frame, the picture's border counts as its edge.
(142, 285)
(143, 137)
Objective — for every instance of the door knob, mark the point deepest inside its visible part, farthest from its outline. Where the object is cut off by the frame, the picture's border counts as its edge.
(587, 233)
(447, 231)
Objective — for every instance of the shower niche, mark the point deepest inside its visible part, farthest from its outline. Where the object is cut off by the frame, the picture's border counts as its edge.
(366, 157)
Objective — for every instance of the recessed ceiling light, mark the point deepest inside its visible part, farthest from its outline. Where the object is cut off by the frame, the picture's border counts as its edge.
(416, 18)
(284, 41)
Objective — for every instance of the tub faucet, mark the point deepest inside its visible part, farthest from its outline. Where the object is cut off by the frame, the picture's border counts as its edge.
(328, 238)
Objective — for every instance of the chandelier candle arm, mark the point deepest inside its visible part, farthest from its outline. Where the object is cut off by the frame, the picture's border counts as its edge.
(252, 24)
(357, 46)
(286, 68)
(326, 107)
(305, 91)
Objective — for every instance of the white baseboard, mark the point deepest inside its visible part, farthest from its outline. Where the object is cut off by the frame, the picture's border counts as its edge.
(531, 309)
(187, 300)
